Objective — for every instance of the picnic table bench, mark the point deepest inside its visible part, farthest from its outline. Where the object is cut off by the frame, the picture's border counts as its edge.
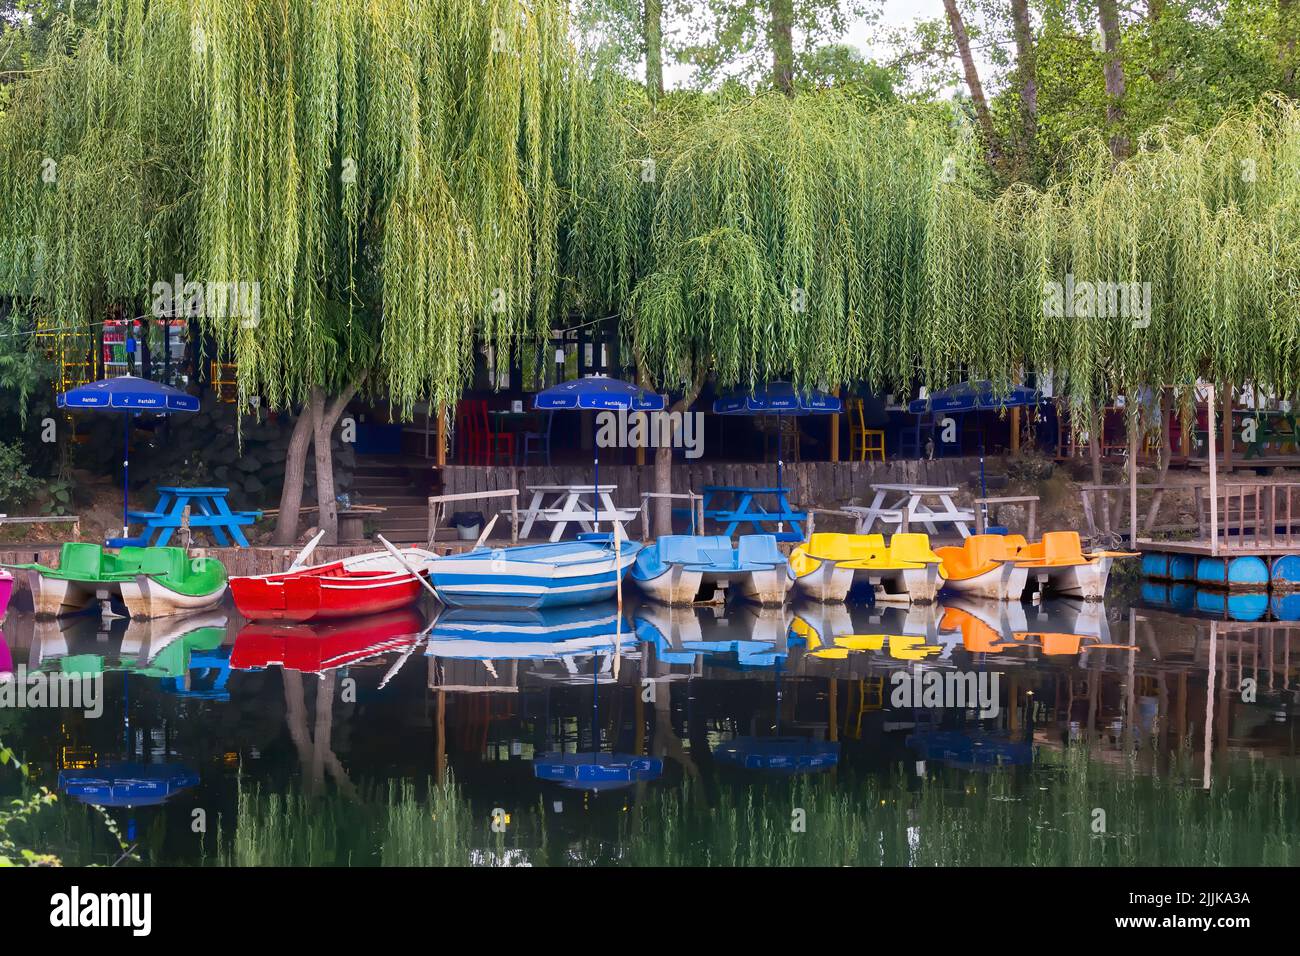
(909, 507)
(208, 509)
(572, 503)
(745, 510)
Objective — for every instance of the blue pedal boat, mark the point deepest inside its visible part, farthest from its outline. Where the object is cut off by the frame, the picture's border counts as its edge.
(677, 567)
(534, 576)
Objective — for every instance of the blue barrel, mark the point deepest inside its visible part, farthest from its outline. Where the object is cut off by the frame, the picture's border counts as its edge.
(1244, 572)
(1155, 565)
(1182, 567)
(1286, 571)
(1286, 607)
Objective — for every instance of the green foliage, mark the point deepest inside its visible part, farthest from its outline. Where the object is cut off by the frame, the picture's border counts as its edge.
(378, 158)
(17, 487)
(729, 39)
(806, 236)
(1000, 817)
(18, 815)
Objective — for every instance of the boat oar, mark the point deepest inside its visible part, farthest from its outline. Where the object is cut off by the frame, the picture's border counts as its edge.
(306, 552)
(397, 665)
(401, 559)
(486, 531)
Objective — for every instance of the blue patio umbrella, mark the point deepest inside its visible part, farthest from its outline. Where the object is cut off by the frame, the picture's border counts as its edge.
(129, 395)
(127, 784)
(977, 396)
(596, 771)
(597, 393)
(779, 398)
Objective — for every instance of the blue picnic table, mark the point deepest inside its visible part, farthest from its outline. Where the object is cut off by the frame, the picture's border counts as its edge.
(739, 507)
(208, 509)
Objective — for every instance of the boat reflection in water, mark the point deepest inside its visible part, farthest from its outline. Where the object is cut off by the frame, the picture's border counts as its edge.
(563, 637)
(318, 648)
(88, 644)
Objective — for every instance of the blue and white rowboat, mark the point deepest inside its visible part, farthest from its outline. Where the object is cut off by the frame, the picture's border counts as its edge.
(494, 634)
(585, 571)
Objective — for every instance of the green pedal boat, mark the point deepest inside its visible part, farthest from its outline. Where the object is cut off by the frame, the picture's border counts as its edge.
(151, 582)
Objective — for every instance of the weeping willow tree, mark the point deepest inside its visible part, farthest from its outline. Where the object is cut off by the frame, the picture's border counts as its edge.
(1209, 221)
(1200, 234)
(390, 177)
(401, 181)
(800, 237)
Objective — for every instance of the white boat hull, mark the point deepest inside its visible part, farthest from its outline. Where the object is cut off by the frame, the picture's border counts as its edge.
(54, 597)
(1086, 581)
(145, 598)
(827, 583)
(1003, 583)
(767, 587)
(905, 585)
(674, 585)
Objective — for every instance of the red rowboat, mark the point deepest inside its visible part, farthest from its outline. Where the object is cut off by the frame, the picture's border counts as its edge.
(362, 584)
(315, 649)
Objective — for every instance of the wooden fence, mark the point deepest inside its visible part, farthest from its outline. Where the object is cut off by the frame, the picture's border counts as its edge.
(812, 484)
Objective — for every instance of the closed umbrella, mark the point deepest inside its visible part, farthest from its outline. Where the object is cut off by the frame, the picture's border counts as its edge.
(129, 395)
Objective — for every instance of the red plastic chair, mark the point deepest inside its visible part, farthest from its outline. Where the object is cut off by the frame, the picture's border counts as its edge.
(469, 433)
(496, 443)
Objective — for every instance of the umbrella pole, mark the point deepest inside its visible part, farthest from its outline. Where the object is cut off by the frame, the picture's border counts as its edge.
(126, 472)
(780, 491)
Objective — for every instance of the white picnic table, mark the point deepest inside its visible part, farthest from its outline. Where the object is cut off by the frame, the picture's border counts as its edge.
(906, 505)
(562, 504)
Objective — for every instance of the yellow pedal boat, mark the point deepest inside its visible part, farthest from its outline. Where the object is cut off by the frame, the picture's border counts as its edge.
(903, 571)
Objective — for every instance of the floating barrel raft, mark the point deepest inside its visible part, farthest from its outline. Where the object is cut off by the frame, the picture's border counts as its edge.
(1246, 572)
(1169, 567)
(1234, 570)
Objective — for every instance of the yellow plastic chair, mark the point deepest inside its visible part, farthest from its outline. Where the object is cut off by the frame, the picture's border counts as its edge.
(863, 442)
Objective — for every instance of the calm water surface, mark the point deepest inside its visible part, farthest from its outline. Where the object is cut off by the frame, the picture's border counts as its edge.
(1159, 728)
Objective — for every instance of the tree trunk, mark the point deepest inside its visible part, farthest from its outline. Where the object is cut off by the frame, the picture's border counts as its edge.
(1096, 423)
(1113, 70)
(780, 33)
(664, 466)
(962, 39)
(295, 471)
(1166, 453)
(324, 418)
(653, 29)
(1027, 74)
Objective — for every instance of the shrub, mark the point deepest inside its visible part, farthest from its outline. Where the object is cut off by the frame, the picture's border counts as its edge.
(17, 487)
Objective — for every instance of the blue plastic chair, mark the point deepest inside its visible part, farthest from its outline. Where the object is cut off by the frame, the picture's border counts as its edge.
(538, 443)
